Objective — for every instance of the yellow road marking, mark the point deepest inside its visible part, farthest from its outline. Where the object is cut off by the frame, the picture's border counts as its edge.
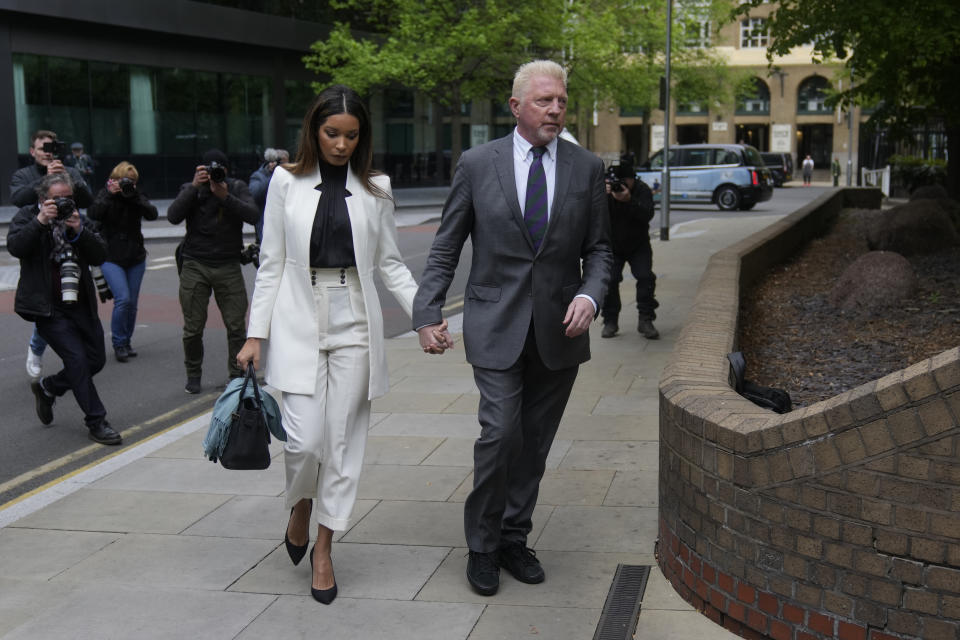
(53, 465)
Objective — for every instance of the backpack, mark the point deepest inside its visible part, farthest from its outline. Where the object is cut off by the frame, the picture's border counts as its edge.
(777, 400)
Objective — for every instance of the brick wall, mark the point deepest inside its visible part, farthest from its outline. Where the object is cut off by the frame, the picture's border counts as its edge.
(838, 520)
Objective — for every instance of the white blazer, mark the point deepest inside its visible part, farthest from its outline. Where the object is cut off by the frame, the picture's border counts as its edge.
(282, 310)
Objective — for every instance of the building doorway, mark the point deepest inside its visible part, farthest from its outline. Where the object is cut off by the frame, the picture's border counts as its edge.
(631, 140)
(691, 134)
(756, 135)
(815, 140)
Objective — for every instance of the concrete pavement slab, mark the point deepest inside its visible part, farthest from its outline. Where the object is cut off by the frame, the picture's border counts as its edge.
(591, 427)
(36, 554)
(449, 425)
(578, 580)
(185, 562)
(512, 621)
(600, 530)
(467, 403)
(293, 617)
(401, 482)
(434, 524)
(24, 599)
(679, 625)
(193, 476)
(434, 384)
(574, 486)
(104, 612)
(124, 511)
(619, 455)
(399, 449)
(633, 489)
(378, 571)
(630, 404)
(400, 402)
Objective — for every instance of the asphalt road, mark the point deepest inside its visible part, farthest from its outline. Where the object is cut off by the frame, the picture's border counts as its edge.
(145, 395)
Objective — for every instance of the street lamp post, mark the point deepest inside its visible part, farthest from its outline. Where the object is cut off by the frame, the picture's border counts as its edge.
(665, 183)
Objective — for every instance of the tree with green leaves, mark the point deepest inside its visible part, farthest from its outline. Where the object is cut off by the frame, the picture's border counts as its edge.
(903, 58)
(452, 51)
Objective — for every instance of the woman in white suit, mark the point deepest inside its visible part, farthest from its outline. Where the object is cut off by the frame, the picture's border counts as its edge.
(328, 226)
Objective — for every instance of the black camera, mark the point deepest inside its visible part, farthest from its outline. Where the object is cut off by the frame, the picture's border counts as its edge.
(251, 254)
(128, 187)
(65, 207)
(55, 147)
(216, 171)
(613, 179)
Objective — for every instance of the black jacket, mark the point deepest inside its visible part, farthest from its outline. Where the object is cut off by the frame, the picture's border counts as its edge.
(119, 221)
(214, 227)
(24, 182)
(630, 221)
(32, 243)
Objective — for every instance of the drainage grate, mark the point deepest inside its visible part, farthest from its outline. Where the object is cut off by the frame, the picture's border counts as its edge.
(618, 621)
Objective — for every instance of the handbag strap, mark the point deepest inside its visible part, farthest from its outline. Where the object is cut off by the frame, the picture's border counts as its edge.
(251, 377)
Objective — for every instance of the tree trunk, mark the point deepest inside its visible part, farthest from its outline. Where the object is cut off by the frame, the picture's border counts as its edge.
(440, 177)
(456, 140)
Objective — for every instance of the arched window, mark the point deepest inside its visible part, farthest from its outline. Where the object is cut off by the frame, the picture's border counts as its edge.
(757, 103)
(812, 96)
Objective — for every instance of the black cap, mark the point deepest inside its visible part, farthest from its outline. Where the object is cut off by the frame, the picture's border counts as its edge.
(625, 168)
(215, 155)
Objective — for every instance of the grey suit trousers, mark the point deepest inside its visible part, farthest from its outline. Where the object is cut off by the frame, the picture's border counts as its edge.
(520, 411)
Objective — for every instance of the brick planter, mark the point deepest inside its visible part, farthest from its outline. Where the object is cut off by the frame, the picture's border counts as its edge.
(838, 520)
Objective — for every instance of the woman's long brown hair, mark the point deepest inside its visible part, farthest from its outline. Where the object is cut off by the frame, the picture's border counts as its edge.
(331, 101)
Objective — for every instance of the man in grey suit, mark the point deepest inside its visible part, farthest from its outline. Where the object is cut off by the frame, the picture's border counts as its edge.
(535, 209)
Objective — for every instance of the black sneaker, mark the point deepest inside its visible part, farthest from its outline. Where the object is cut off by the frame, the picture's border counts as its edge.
(44, 402)
(193, 385)
(609, 330)
(121, 353)
(646, 328)
(521, 562)
(103, 433)
(483, 574)
(130, 352)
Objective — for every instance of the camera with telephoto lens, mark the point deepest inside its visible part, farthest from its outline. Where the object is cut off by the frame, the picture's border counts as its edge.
(69, 275)
(216, 171)
(103, 289)
(57, 148)
(251, 254)
(65, 207)
(128, 187)
(612, 178)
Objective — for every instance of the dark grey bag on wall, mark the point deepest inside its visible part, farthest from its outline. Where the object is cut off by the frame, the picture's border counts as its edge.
(776, 400)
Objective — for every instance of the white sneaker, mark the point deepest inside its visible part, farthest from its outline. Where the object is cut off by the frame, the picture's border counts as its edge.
(34, 365)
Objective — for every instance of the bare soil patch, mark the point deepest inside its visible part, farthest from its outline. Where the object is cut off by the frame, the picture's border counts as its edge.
(794, 339)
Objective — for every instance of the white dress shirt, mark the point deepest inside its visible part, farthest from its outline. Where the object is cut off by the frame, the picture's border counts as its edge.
(522, 158)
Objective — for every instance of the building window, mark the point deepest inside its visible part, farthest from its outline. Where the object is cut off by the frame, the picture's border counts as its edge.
(756, 103)
(691, 108)
(812, 96)
(753, 33)
(697, 34)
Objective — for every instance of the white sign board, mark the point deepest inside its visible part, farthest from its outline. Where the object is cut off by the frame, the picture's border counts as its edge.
(780, 136)
(720, 126)
(656, 137)
(479, 134)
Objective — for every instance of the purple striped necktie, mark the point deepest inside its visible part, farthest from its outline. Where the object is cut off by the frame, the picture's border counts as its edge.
(535, 207)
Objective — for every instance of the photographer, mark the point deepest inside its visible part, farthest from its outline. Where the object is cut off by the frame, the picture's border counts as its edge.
(47, 154)
(630, 203)
(56, 246)
(260, 181)
(215, 207)
(120, 208)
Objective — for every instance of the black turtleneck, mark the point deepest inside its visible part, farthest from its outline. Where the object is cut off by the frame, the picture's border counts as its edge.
(331, 241)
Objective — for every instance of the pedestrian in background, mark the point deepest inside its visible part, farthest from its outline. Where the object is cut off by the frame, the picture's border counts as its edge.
(260, 180)
(630, 202)
(215, 207)
(328, 228)
(835, 170)
(807, 170)
(82, 162)
(120, 208)
(534, 208)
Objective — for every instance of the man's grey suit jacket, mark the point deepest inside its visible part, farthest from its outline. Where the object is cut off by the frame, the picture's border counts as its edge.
(508, 281)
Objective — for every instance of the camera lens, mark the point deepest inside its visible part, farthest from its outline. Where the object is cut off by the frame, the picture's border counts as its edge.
(128, 187)
(69, 280)
(65, 208)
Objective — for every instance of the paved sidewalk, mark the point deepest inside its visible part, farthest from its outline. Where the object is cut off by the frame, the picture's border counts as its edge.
(157, 542)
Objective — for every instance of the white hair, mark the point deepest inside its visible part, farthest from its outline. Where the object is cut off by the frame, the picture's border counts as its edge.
(533, 69)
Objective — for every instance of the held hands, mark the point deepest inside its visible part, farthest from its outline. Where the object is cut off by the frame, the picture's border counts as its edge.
(200, 176)
(623, 195)
(48, 212)
(113, 186)
(435, 339)
(56, 166)
(249, 352)
(578, 318)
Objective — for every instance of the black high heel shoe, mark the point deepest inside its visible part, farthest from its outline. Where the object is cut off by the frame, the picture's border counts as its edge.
(323, 596)
(296, 552)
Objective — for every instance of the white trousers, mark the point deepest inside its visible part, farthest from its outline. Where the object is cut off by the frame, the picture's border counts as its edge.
(327, 431)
